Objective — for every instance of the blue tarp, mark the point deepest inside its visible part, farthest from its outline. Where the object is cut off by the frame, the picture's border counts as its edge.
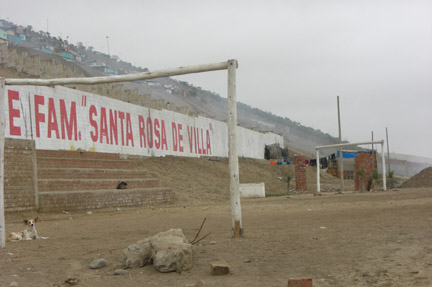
(348, 154)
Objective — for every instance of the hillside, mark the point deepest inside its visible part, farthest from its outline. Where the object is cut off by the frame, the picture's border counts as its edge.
(88, 62)
(59, 58)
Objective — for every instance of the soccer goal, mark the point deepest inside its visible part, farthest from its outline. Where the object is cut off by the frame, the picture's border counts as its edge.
(230, 66)
(318, 148)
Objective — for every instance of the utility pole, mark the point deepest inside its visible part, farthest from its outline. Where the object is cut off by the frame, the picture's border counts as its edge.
(375, 154)
(108, 45)
(388, 152)
(340, 159)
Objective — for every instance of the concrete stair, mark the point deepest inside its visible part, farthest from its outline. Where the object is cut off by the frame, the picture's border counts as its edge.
(74, 180)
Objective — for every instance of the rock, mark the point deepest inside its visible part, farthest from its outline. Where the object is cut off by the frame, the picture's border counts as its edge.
(121, 272)
(212, 242)
(219, 267)
(13, 284)
(98, 264)
(168, 251)
(138, 254)
(72, 281)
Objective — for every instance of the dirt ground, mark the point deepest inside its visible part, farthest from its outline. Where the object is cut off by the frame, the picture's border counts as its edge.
(422, 179)
(206, 180)
(350, 239)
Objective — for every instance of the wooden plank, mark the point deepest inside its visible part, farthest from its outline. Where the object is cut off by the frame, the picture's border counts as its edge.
(232, 151)
(2, 212)
(121, 78)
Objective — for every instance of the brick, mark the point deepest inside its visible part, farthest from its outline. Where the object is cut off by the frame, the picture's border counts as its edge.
(219, 267)
(300, 173)
(300, 282)
(366, 162)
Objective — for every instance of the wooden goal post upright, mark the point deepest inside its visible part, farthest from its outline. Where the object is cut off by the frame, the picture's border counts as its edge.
(2, 115)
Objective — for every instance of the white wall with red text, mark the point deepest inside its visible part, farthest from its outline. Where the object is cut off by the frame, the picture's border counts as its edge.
(66, 119)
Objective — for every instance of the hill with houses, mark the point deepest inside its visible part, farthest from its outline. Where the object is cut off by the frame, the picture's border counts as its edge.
(166, 93)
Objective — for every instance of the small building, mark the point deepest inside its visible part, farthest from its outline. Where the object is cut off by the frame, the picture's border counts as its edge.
(105, 69)
(68, 56)
(14, 39)
(3, 34)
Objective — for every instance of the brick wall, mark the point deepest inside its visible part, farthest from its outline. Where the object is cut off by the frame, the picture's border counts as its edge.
(21, 187)
(300, 173)
(19, 175)
(83, 200)
(366, 162)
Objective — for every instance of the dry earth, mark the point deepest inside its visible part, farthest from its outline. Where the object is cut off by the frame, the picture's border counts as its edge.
(422, 179)
(350, 239)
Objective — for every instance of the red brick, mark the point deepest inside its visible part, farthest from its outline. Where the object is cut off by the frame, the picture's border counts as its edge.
(300, 173)
(219, 267)
(300, 282)
(366, 162)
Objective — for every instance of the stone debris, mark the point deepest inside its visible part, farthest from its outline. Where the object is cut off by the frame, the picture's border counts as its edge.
(121, 272)
(98, 264)
(72, 281)
(219, 267)
(168, 251)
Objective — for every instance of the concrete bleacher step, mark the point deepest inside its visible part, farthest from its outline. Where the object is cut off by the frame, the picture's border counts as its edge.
(89, 173)
(47, 162)
(93, 184)
(40, 153)
(95, 199)
(76, 180)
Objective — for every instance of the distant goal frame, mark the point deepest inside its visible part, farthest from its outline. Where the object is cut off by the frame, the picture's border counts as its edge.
(318, 148)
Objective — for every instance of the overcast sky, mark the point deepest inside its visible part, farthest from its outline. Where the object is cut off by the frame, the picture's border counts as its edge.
(295, 56)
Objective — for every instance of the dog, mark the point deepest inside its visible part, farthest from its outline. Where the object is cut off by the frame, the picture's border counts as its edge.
(29, 233)
(122, 185)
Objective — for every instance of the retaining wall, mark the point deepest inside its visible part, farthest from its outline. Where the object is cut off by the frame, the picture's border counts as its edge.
(20, 186)
(66, 119)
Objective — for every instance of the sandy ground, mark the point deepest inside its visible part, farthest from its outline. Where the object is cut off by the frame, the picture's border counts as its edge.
(350, 239)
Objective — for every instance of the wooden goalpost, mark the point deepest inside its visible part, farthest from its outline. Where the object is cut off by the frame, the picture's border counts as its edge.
(230, 65)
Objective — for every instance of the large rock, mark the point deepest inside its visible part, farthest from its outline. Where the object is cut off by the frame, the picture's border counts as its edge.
(168, 251)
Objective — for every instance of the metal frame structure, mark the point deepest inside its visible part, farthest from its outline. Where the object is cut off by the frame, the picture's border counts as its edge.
(350, 144)
(230, 65)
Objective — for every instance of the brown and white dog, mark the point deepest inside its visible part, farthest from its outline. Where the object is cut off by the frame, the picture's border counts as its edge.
(29, 233)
